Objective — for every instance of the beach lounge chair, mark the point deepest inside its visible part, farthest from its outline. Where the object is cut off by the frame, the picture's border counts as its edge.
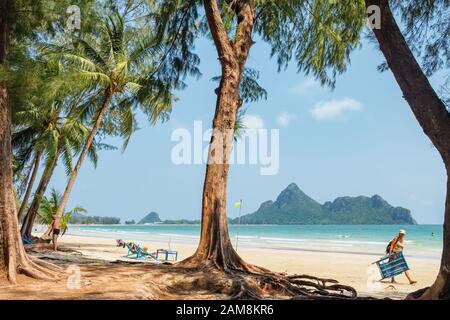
(392, 265)
(131, 249)
(27, 240)
(136, 252)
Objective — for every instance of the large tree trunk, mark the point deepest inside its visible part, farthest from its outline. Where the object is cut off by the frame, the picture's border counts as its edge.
(215, 248)
(28, 221)
(36, 164)
(431, 114)
(13, 259)
(84, 152)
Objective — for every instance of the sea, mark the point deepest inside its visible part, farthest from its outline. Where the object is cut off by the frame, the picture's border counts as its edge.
(422, 241)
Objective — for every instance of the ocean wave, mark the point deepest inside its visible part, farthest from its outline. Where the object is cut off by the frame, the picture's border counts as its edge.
(247, 237)
(353, 241)
(177, 235)
(285, 239)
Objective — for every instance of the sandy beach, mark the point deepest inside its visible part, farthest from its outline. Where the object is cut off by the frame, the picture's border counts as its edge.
(106, 274)
(348, 268)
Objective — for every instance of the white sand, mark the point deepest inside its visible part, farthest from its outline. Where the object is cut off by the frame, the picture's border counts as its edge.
(350, 269)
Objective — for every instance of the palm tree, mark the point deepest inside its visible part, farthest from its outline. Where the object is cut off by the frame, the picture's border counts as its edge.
(60, 135)
(48, 208)
(37, 133)
(122, 70)
(47, 125)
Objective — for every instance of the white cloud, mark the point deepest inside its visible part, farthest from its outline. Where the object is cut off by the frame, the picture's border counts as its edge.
(284, 119)
(253, 121)
(305, 87)
(335, 108)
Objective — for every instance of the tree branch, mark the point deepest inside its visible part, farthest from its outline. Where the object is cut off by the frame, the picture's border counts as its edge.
(218, 32)
(246, 18)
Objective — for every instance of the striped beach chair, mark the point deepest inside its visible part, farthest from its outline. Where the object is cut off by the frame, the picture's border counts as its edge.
(136, 252)
(392, 265)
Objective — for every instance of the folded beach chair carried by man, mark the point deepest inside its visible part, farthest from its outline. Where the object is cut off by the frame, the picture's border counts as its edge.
(392, 265)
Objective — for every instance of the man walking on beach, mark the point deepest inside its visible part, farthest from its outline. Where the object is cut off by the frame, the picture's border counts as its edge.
(56, 228)
(397, 245)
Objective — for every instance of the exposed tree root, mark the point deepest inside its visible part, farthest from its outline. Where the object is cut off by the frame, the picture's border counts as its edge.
(33, 273)
(440, 290)
(253, 282)
(294, 286)
(38, 269)
(48, 265)
(241, 290)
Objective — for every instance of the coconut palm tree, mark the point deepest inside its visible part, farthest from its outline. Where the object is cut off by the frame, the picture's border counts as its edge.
(56, 134)
(123, 70)
(48, 208)
(37, 134)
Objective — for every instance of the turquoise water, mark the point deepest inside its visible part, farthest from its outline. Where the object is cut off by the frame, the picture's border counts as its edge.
(371, 239)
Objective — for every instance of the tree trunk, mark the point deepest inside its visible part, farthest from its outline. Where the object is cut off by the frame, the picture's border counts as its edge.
(430, 112)
(28, 221)
(84, 152)
(215, 248)
(13, 259)
(36, 163)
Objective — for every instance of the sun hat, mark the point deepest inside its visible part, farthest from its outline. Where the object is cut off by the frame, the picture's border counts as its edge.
(402, 231)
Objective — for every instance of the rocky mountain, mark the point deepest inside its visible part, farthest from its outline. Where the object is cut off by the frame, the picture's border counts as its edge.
(293, 206)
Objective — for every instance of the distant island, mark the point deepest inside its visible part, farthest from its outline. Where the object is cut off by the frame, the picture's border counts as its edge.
(152, 217)
(79, 218)
(293, 206)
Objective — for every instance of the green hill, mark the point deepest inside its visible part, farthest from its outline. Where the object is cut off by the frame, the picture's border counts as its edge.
(293, 206)
(152, 217)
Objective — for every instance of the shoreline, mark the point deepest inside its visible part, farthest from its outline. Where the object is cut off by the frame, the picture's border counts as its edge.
(345, 240)
(286, 248)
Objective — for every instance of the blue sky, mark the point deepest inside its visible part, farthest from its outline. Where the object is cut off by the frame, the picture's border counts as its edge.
(359, 139)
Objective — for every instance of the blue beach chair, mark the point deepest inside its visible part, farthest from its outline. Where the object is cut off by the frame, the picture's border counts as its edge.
(27, 240)
(136, 252)
(131, 250)
(392, 265)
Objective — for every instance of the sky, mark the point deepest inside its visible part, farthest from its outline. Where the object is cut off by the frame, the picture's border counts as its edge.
(359, 139)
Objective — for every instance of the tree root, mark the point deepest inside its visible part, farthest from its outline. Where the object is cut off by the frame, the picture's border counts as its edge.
(243, 291)
(297, 286)
(37, 269)
(33, 273)
(48, 265)
(439, 290)
(249, 282)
